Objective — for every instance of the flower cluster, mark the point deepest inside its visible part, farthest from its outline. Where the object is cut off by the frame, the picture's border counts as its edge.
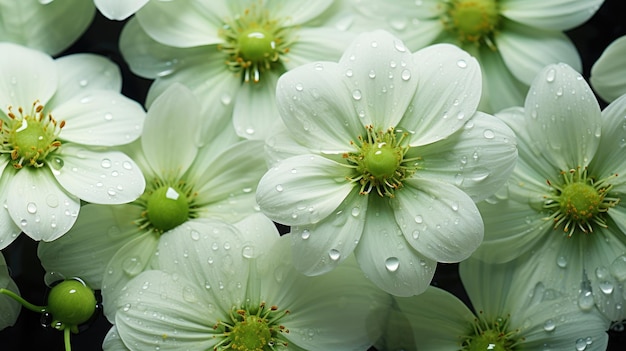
(293, 175)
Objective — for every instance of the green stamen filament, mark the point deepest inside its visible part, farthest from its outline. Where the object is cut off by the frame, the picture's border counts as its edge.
(29, 138)
(490, 335)
(473, 21)
(579, 202)
(379, 162)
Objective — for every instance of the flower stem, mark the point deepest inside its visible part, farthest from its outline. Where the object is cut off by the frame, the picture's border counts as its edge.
(66, 339)
(23, 302)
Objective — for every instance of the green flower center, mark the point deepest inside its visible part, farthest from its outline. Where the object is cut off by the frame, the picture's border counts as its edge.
(71, 303)
(380, 162)
(252, 330)
(490, 336)
(579, 202)
(255, 43)
(167, 205)
(473, 21)
(29, 138)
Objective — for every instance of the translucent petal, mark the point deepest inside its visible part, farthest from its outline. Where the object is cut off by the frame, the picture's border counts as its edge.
(609, 159)
(317, 44)
(9, 308)
(297, 11)
(112, 341)
(119, 9)
(554, 15)
(608, 78)
(9, 230)
(500, 87)
(255, 113)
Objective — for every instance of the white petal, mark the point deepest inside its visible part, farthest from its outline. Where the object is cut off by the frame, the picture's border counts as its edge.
(555, 14)
(609, 160)
(608, 77)
(255, 112)
(437, 219)
(28, 76)
(281, 145)
(322, 116)
(527, 50)
(102, 118)
(385, 256)
(297, 11)
(320, 247)
(185, 319)
(9, 308)
(108, 177)
(317, 44)
(303, 189)
(385, 97)
(40, 206)
(478, 158)
(170, 134)
(569, 139)
(500, 88)
(45, 27)
(9, 229)
(127, 263)
(119, 9)
(113, 342)
(96, 236)
(448, 93)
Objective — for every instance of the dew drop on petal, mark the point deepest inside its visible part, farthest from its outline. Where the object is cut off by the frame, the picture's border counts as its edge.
(550, 75)
(392, 264)
(299, 87)
(334, 254)
(561, 262)
(549, 325)
(31, 207)
(247, 251)
(195, 235)
(132, 266)
(585, 300)
(489, 134)
(355, 211)
(279, 188)
(106, 163)
(50, 278)
(189, 295)
(580, 344)
(356, 94)
(405, 75)
(372, 74)
(108, 116)
(305, 234)
(606, 287)
(349, 73)
(618, 268)
(419, 219)
(461, 63)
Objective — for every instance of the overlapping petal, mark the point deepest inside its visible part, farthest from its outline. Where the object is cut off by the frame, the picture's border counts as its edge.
(9, 308)
(119, 9)
(254, 110)
(608, 76)
(554, 15)
(315, 44)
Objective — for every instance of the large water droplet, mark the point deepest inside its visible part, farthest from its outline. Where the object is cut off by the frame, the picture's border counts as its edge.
(355, 211)
(489, 134)
(305, 234)
(356, 94)
(618, 268)
(581, 344)
(461, 63)
(419, 219)
(279, 188)
(106, 163)
(392, 264)
(561, 262)
(405, 75)
(132, 266)
(31, 207)
(334, 254)
(549, 325)
(550, 75)
(247, 251)
(585, 300)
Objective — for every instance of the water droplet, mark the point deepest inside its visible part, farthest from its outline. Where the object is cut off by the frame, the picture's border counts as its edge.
(57, 163)
(549, 325)
(24, 222)
(279, 188)
(127, 165)
(299, 87)
(374, 44)
(355, 211)
(489, 134)
(356, 94)
(195, 235)
(585, 300)
(349, 73)
(550, 75)
(561, 262)
(461, 63)
(189, 295)
(226, 99)
(398, 44)
(305, 234)
(581, 344)
(247, 251)
(415, 234)
(31, 207)
(392, 264)
(106, 163)
(606, 287)
(334, 254)
(111, 192)
(132, 266)
(372, 74)
(405, 75)
(419, 219)
(108, 116)
(249, 131)
(618, 268)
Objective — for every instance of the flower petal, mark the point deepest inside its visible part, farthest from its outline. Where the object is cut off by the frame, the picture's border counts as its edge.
(119, 9)
(255, 113)
(42, 209)
(554, 15)
(317, 44)
(385, 257)
(380, 76)
(108, 177)
(113, 342)
(87, 248)
(303, 189)
(448, 93)
(500, 88)
(100, 118)
(608, 78)
(478, 158)
(28, 76)
(9, 308)
(297, 11)
(322, 246)
(610, 160)
(527, 50)
(563, 117)
(438, 220)
(9, 229)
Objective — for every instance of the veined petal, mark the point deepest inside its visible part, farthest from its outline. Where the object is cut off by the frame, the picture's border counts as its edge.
(437, 219)
(501, 89)
(608, 78)
(170, 134)
(113, 342)
(9, 308)
(610, 159)
(298, 11)
(563, 116)
(476, 275)
(119, 9)
(39, 205)
(321, 247)
(185, 319)
(281, 145)
(28, 76)
(317, 44)
(255, 113)
(183, 23)
(87, 248)
(9, 229)
(127, 263)
(107, 177)
(421, 10)
(100, 118)
(448, 93)
(45, 27)
(303, 189)
(381, 77)
(553, 15)
(478, 158)
(385, 256)
(322, 117)
(526, 50)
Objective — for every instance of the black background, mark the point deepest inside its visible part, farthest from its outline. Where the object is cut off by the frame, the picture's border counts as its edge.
(101, 38)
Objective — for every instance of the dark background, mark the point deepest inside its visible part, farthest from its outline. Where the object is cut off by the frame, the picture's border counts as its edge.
(101, 38)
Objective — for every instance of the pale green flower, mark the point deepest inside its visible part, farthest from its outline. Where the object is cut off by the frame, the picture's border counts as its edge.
(223, 288)
(119, 9)
(9, 308)
(44, 24)
(608, 74)
(564, 199)
(58, 119)
(512, 39)
(512, 312)
(230, 53)
(392, 156)
(188, 175)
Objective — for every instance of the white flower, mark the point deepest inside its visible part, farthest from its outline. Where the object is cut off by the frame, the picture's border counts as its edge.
(229, 54)
(608, 74)
(188, 176)
(221, 289)
(57, 118)
(119, 9)
(512, 39)
(9, 308)
(393, 155)
(514, 312)
(564, 198)
(44, 24)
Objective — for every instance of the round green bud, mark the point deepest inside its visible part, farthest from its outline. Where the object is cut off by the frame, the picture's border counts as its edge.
(71, 302)
(167, 208)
